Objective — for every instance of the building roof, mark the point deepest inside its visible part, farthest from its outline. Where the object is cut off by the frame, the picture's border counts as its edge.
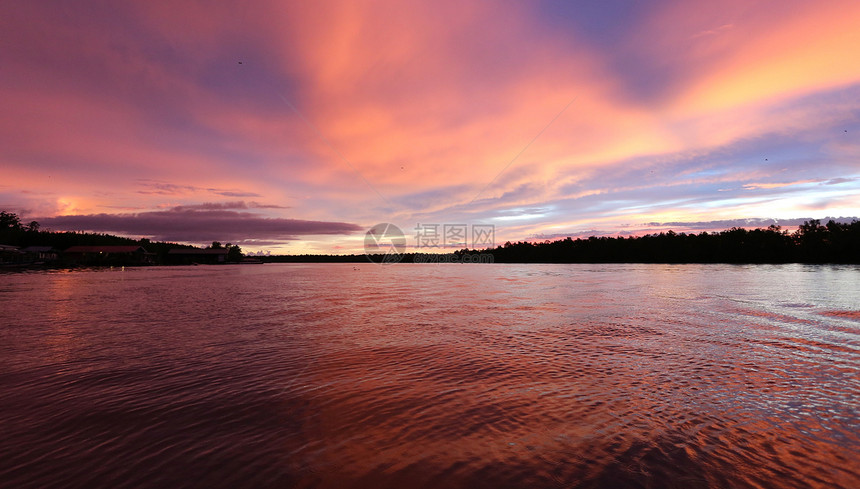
(197, 251)
(106, 249)
(8, 248)
(38, 249)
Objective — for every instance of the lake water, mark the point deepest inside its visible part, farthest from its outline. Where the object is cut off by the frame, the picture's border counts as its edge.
(496, 376)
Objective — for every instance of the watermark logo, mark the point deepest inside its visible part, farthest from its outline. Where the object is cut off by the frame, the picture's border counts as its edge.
(454, 236)
(384, 243)
(456, 257)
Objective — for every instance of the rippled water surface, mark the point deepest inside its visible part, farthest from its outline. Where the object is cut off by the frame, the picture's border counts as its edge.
(335, 375)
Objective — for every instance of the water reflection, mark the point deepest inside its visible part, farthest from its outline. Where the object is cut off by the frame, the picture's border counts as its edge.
(427, 376)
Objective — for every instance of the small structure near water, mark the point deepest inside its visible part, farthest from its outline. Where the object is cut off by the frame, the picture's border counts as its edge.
(11, 256)
(42, 254)
(191, 256)
(108, 255)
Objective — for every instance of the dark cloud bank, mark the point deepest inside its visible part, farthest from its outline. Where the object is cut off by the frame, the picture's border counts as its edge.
(199, 224)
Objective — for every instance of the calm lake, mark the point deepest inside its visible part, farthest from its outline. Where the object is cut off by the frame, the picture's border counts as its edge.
(461, 376)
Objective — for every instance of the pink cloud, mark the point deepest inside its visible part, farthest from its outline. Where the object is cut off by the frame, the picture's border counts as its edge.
(147, 106)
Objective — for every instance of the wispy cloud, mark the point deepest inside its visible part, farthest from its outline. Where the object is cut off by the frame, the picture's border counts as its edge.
(770, 185)
(712, 32)
(239, 204)
(839, 180)
(761, 222)
(151, 187)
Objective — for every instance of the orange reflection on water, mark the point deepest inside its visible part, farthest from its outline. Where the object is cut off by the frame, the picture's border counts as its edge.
(536, 376)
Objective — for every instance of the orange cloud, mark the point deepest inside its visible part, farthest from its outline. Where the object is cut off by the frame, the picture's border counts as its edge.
(812, 50)
(448, 110)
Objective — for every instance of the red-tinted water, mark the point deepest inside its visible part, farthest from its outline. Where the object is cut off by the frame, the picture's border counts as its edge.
(431, 376)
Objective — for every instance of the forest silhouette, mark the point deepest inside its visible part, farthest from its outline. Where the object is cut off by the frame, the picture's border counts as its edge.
(812, 242)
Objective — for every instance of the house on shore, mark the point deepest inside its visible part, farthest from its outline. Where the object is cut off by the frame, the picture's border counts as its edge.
(11, 256)
(192, 256)
(43, 254)
(108, 255)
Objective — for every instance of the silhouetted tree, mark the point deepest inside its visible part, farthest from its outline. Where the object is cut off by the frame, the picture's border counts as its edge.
(9, 220)
(234, 253)
(11, 231)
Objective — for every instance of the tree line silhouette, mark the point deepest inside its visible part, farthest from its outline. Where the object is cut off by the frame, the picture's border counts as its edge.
(13, 232)
(812, 242)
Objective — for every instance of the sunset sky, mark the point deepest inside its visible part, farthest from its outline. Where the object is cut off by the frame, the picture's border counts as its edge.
(294, 127)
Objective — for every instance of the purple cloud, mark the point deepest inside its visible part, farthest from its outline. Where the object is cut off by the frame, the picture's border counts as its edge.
(197, 225)
(153, 187)
(837, 181)
(239, 204)
(230, 193)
